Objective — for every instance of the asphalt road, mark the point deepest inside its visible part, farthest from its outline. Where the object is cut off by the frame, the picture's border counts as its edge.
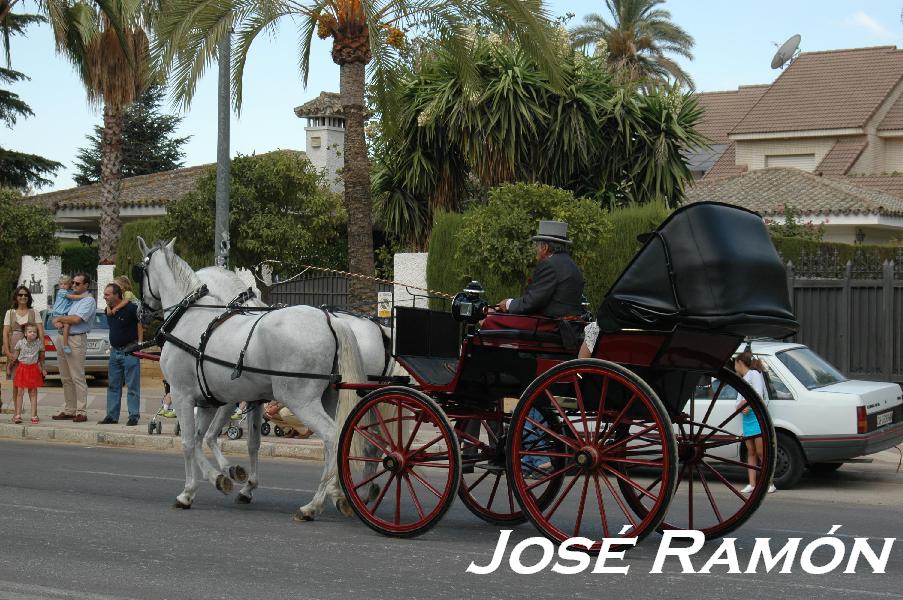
(96, 524)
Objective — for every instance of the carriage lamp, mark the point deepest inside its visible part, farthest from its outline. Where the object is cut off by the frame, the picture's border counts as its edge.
(469, 305)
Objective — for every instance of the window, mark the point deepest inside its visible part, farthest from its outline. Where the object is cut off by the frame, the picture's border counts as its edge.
(803, 162)
(315, 142)
(809, 368)
(777, 389)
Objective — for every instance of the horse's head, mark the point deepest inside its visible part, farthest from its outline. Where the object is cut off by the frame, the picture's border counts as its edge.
(152, 272)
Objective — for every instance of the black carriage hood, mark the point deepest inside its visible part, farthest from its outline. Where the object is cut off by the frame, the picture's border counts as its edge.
(708, 266)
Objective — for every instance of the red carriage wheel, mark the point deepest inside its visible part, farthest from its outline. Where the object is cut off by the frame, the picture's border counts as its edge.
(609, 420)
(711, 448)
(485, 488)
(398, 461)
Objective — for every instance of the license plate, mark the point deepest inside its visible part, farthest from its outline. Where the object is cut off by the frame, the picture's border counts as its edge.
(93, 345)
(885, 419)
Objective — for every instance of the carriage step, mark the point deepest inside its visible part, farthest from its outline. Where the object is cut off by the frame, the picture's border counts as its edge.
(494, 468)
(393, 379)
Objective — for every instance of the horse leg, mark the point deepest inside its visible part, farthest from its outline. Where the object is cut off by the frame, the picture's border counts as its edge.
(207, 471)
(185, 412)
(255, 419)
(222, 416)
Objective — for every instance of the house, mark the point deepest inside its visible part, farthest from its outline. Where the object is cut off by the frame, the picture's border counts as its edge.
(77, 210)
(837, 115)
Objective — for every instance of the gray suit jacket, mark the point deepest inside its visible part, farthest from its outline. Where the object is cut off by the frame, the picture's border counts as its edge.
(556, 289)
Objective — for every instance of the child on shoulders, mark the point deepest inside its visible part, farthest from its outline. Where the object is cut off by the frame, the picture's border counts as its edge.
(61, 305)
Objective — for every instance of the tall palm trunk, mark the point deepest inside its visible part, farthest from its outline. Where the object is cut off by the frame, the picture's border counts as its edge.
(357, 186)
(110, 181)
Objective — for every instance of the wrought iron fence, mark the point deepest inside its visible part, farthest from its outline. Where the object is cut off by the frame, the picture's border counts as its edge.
(317, 289)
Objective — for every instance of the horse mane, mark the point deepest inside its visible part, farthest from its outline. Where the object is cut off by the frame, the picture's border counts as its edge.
(181, 270)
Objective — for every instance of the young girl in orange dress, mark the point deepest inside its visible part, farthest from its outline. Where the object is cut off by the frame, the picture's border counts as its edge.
(30, 371)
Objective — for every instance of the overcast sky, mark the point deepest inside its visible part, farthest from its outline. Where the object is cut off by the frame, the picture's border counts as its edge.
(734, 45)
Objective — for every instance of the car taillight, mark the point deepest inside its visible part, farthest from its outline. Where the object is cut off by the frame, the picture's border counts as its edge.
(862, 423)
(48, 344)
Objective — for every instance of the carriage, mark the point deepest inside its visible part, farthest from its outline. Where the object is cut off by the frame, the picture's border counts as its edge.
(644, 435)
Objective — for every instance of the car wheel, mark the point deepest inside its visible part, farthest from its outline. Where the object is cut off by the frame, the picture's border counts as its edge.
(824, 468)
(790, 462)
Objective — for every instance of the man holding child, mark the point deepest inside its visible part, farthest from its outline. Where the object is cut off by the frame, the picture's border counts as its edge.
(125, 330)
(80, 319)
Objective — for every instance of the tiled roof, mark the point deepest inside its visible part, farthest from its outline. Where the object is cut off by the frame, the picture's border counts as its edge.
(725, 166)
(155, 189)
(766, 191)
(892, 184)
(894, 117)
(840, 158)
(826, 90)
(723, 110)
(142, 190)
(327, 104)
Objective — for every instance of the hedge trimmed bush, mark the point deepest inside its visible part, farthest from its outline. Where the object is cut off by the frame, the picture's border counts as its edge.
(128, 254)
(792, 248)
(75, 258)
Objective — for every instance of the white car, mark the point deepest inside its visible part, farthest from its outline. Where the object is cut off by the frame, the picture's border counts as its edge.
(821, 418)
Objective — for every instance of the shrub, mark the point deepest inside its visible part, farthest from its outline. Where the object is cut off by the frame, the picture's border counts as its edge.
(75, 258)
(792, 248)
(442, 274)
(128, 254)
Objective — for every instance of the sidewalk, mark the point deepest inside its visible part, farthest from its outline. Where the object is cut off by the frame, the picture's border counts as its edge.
(50, 402)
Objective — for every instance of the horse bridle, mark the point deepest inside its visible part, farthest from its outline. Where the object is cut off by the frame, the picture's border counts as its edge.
(140, 273)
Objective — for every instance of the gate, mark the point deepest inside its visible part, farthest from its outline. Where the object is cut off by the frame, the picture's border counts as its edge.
(852, 313)
(320, 289)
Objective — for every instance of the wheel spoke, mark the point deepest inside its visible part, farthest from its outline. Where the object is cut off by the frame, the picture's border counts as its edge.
(601, 407)
(561, 498)
(629, 438)
(711, 496)
(627, 480)
(407, 445)
(365, 459)
(478, 481)
(580, 508)
(727, 483)
(373, 439)
(398, 500)
(369, 479)
(416, 500)
(425, 483)
(495, 487)
(736, 463)
(564, 416)
(558, 437)
(617, 419)
(382, 425)
(382, 494)
(548, 477)
(601, 504)
(618, 501)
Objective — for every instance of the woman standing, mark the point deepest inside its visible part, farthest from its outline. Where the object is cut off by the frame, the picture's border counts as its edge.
(749, 369)
(20, 314)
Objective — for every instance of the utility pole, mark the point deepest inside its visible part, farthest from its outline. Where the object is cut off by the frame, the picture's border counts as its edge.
(221, 241)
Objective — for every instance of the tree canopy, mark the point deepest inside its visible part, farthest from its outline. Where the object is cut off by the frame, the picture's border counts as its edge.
(149, 141)
(18, 170)
(280, 210)
(595, 136)
(24, 229)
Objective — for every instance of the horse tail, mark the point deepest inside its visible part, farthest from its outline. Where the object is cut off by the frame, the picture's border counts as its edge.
(351, 367)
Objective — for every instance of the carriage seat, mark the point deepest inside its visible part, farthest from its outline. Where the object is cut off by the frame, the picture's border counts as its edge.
(520, 334)
(431, 370)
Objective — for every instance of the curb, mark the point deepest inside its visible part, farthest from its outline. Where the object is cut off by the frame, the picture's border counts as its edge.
(304, 450)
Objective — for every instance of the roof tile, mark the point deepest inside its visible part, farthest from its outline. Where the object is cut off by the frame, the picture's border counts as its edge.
(840, 158)
(723, 110)
(766, 191)
(826, 90)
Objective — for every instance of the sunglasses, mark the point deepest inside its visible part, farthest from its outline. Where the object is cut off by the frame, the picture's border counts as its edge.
(78, 283)
(22, 295)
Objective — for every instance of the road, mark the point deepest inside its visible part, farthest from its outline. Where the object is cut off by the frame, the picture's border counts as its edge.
(96, 524)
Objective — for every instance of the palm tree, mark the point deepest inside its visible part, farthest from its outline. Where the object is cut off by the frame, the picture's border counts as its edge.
(108, 46)
(638, 40)
(362, 33)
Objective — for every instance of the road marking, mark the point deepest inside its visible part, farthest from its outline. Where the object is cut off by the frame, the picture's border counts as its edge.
(109, 474)
(10, 590)
(43, 509)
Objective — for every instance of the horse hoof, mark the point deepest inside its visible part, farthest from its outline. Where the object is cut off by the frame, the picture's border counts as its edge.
(180, 505)
(238, 473)
(224, 484)
(344, 507)
(301, 516)
(373, 492)
(242, 499)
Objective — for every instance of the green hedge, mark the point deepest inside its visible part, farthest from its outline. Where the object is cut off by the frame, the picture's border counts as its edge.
(128, 254)
(792, 248)
(79, 258)
(616, 248)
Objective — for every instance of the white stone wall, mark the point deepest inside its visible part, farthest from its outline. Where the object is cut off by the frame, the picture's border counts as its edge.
(329, 155)
(410, 268)
(104, 278)
(40, 274)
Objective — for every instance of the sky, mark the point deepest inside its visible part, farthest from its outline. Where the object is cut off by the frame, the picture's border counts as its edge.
(735, 42)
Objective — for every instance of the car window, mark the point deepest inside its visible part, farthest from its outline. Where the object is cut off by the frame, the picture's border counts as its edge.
(100, 322)
(809, 368)
(707, 388)
(777, 389)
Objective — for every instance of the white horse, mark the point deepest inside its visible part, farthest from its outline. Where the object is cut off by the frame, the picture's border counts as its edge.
(297, 341)
(225, 285)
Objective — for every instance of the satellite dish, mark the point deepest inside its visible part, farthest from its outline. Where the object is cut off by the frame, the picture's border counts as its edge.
(786, 53)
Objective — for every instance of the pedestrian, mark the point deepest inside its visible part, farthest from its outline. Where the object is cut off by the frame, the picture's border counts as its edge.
(62, 303)
(750, 370)
(30, 371)
(124, 367)
(80, 319)
(20, 314)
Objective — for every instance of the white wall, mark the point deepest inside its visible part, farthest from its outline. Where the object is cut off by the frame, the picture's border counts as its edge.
(329, 156)
(43, 274)
(753, 153)
(410, 268)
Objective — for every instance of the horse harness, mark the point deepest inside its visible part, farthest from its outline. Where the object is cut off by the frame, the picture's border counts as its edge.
(234, 307)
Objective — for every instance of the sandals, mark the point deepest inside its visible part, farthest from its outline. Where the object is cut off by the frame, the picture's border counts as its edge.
(17, 419)
(35, 420)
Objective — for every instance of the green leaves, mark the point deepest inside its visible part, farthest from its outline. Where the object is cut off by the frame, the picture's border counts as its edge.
(25, 228)
(279, 211)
